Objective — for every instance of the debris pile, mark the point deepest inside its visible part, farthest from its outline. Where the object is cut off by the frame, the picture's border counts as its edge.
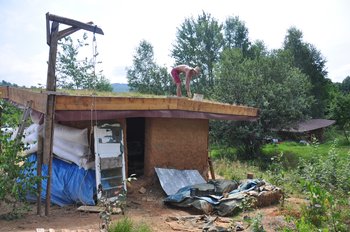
(225, 197)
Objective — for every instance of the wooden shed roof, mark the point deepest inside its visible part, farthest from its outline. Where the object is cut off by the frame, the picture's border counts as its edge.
(310, 125)
(74, 108)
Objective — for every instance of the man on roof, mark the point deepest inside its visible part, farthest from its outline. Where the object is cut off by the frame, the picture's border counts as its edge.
(189, 72)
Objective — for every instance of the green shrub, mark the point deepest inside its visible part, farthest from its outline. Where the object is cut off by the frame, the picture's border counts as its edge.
(229, 153)
(127, 225)
(330, 172)
(16, 174)
(323, 210)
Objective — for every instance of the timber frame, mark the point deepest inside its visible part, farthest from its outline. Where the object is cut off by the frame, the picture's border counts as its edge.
(52, 36)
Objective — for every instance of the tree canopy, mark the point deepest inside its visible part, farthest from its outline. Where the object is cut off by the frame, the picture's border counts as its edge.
(145, 76)
(287, 84)
(270, 83)
(311, 62)
(73, 73)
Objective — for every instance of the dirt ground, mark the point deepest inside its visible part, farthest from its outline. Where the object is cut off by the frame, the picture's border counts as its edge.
(147, 208)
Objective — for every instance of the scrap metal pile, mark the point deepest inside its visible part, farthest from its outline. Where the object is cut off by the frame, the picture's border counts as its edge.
(225, 197)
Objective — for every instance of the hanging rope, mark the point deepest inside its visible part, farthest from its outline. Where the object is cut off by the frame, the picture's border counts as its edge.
(94, 51)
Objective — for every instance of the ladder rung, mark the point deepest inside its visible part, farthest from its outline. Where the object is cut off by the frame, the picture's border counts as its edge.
(111, 177)
(113, 187)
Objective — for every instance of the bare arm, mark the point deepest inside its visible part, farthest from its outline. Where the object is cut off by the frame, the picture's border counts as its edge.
(188, 88)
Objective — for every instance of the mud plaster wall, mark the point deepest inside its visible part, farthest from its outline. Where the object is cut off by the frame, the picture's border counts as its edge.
(176, 143)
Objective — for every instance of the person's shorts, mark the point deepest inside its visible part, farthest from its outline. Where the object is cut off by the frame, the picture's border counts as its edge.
(175, 75)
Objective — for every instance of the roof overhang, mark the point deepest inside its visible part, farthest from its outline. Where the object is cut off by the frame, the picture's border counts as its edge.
(76, 108)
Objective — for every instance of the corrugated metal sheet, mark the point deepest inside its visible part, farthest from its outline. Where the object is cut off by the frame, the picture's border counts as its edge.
(172, 180)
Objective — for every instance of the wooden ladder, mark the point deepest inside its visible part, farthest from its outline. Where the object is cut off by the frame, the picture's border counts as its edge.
(22, 124)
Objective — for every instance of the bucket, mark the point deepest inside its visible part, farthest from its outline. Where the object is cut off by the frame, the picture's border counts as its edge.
(198, 97)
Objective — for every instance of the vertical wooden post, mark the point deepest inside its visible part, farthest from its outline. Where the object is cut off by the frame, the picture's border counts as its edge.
(39, 170)
(212, 173)
(50, 111)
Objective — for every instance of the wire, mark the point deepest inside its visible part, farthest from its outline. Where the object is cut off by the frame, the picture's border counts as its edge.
(94, 51)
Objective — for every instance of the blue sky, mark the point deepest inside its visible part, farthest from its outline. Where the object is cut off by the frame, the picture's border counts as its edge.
(24, 53)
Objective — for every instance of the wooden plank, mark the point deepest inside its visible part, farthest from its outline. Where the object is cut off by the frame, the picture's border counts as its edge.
(4, 93)
(94, 209)
(22, 96)
(131, 103)
(65, 102)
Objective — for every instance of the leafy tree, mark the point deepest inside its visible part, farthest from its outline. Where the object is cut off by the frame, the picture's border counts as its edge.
(199, 43)
(145, 76)
(311, 62)
(270, 83)
(340, 111)
(236, 34)
(345, 85)
(73, 73)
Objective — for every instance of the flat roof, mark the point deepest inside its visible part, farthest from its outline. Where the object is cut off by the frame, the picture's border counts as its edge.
(74, 107)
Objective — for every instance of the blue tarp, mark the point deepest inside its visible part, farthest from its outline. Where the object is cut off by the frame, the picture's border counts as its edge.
(69, 183)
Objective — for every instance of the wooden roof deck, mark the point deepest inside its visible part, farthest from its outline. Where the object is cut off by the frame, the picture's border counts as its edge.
(69, 106)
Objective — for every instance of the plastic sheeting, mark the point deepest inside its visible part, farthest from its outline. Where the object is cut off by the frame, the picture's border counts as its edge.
(70, 184)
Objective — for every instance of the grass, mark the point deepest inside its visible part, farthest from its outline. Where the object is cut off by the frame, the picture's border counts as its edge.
(86, 92)
(127, 225)
(327, 177)
(292, 151)
(305, 151)
(236, 170)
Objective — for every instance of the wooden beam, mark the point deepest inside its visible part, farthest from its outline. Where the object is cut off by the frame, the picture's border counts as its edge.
(48, 30)
(132, 103)
(22, 96)
(68, 31)
(66, 102)
(4, 92)
(39, 173)
(50, 112)
(75, 23)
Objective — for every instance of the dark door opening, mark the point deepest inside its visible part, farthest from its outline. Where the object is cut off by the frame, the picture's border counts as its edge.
(135, 139)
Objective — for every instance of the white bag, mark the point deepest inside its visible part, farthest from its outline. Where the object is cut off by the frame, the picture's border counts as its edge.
(74, 135)
(70, 147)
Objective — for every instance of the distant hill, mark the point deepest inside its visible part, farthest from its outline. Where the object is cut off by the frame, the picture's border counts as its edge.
(120, 88)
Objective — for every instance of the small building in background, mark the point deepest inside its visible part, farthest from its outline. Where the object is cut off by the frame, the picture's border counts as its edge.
(306, 130)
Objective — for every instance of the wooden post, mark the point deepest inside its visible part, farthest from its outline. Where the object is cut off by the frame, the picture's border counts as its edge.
(50, 112)
(39, 170)
(52, 38)
(212, 173)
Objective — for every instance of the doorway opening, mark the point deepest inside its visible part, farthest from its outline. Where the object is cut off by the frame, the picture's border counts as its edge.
(135, 145)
